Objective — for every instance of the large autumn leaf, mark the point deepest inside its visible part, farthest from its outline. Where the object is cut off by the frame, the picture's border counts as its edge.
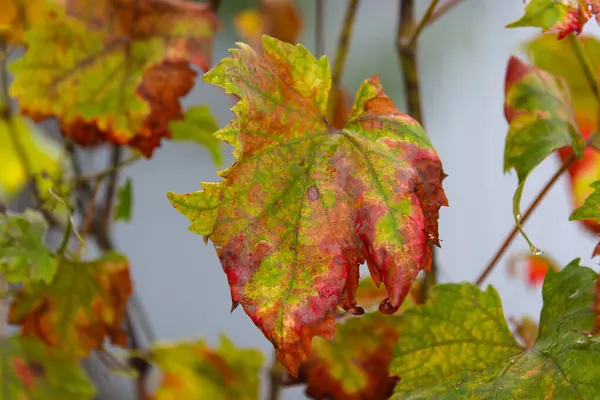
(305, 204)
(559, 16)
(32, 371)
(538, 109)
(558, 57)
(83, 305)
(459, 346)
(113, 70)
(192, 370)
(354, 364)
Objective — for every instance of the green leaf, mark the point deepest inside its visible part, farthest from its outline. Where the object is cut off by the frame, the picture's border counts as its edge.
(42, 155)
(591, 206)
(561, 16)
(304, 203)
(458, 346)
(538, 109)
(198, 125)
(192, 370)
(124, 202)
(31, 371)
(23, 254)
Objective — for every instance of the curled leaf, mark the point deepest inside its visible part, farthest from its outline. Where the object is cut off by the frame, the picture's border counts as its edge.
(194, 371)
(539, 111)
(83, 305)
(305, 204)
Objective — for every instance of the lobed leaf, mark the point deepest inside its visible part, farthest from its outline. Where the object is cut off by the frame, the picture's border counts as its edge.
(23, 254)
(355, 363)
(194, 371)
(305, 204)
(83, 305)
(458, 344)
(198, 125)
(32, 371)
(541, 119)
(558, 16)
(113, 70)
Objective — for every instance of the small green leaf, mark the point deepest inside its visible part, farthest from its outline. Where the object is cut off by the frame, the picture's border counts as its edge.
(561, 16)
(191, 370)
(538, 109)
(23, 255)
(198, 125)
(458, 345)
(124, 202)
(591, 206)
(32, 371)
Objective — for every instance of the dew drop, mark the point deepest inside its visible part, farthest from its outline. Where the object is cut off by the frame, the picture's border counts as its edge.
(536, 252)
(518, 217)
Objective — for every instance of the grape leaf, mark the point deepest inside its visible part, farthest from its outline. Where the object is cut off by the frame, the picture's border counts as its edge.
(305, 204)
(198, 125)
(32, 371)
(23, 254)
(560, 16)
(458, 345)
(354, 364)
(42, 155)
(113, 70)
(557, 57)
(194, 371)
(124, 202)
(84, 304)
(541, 119)
(590, 209)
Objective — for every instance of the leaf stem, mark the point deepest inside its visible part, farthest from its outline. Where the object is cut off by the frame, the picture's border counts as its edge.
(513, 233)
(344, 40)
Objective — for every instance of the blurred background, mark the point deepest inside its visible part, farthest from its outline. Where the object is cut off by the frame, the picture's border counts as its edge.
(462, 61)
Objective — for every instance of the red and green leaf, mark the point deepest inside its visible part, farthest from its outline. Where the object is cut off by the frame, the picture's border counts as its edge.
(305, 204)
(558, 16)
(539, 111)
(113, 70)
(84, 304)
(194, 371)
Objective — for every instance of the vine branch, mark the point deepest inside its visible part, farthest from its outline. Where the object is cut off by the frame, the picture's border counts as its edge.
(536, 202)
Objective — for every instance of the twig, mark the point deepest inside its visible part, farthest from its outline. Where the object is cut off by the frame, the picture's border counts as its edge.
(428, 14)
(109, 197)
(139, 364)
(108, 171)
(443, 9)
(342, 48)
(341, 54)
(504, 246)
(319, 38)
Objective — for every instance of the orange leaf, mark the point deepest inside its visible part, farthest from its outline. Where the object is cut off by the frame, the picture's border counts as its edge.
(532, 267)
(83, 305)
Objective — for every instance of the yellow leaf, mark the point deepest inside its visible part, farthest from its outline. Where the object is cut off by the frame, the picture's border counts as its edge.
(42, 155)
